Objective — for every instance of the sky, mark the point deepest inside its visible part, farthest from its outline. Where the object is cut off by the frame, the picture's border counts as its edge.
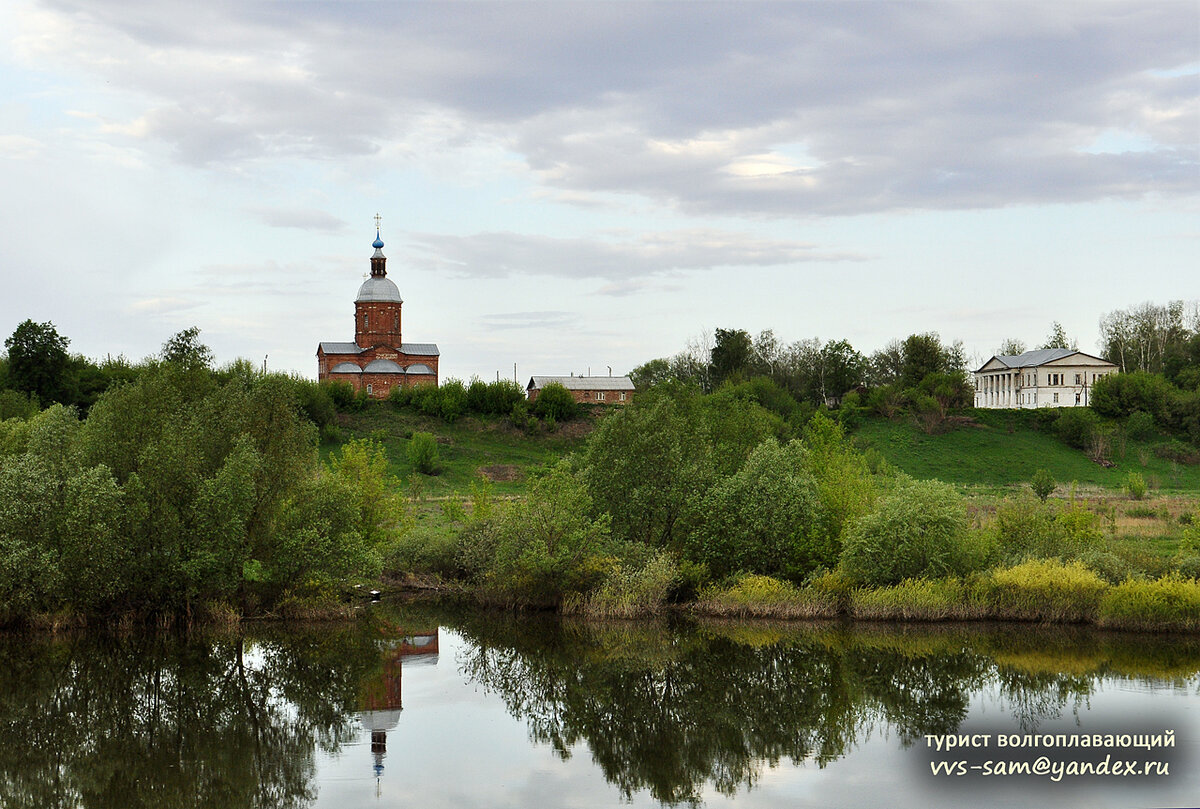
(576, 186)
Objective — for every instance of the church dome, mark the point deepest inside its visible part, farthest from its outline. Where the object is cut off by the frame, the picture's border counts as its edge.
(378, 288)
(382, 367)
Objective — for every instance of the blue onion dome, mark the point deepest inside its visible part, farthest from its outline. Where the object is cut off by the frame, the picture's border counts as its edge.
(378, 243)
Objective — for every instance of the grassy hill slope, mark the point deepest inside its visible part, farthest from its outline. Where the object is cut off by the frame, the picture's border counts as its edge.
(1001, 449)
(468, 447)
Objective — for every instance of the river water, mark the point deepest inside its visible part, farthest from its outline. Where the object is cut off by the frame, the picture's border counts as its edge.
(420, 706)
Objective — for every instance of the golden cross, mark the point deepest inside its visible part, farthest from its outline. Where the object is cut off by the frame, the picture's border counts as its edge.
(377, 218)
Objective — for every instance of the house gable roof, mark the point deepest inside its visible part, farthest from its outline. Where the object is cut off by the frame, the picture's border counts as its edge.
(582, 382)
(1036, 358)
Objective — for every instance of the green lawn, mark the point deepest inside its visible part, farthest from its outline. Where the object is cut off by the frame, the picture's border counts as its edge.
(465, 447)
(1002, 449)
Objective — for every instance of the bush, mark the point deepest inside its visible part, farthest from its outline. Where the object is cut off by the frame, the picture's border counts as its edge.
(629, 590)
(556, 402)
(344, 397)
(1044, 590)
(1110, 567)
(764, 519)
(451, 400)
(1043, 484)
(1135, 484)
(919, 530)
(1140, 425)
(1172, 602)
(1076, 426)
(1120, 395)
(543, 548)
(423, 453)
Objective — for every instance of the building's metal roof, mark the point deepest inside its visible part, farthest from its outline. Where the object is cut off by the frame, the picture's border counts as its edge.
(1040, 356)
(420, 368)
(420, 349)
(342, 348)
(582, 382)
(345, 368)
(382, 367)
(378, 288)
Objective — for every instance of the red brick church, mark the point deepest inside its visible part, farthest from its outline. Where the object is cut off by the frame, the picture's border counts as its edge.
(378, 360)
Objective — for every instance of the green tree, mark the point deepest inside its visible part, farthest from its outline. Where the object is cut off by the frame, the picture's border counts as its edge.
(1058, 338)
(732, 356)
(423, 453)
(645, 462)
(37, 361)
(555, 402)
(1043, 484)
(920, 529)
(185, 350)
(766, 518)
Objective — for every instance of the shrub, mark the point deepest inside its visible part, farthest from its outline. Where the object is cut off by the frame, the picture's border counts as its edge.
(423, 453)
(343, 395)
(451, 400)
(629, 590)
(1110, 567)
(919, 530)
(1043, 484)
(1188, 566)
(1076, 426)
(1044, 590)
(545, 547)
(1179, 452)
(555, 402)
(764, 519)
(1172, 602)
(1135, 484)
(1140, 425)
(1120, 395)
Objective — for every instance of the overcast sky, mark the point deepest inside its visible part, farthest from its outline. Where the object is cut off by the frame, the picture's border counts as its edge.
(591, 184)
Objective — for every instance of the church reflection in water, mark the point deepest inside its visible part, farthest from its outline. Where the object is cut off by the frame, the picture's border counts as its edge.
(381, 699)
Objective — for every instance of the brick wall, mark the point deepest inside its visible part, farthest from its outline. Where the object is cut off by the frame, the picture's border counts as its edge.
(377, 323)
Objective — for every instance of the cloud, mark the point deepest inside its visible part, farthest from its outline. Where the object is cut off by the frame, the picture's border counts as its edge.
(704, 107)
(529, 320)
(300, 218)
(161, 306)
(500, 255)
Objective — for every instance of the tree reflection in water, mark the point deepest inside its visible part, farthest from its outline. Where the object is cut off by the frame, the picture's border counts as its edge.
(164, 721)
(230, 720)
(671, 709)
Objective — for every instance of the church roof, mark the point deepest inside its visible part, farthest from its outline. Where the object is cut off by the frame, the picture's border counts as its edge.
(378, 288)
(345, 368)
(420, 349)
(583, 382)
(342, 348)
(419, 368)
(415, 349)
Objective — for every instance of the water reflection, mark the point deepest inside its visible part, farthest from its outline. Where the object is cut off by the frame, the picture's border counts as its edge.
(673, 709)
(381, 703)
(669, 711)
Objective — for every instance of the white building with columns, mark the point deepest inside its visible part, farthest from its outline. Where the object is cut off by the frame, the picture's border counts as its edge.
(1047, 377)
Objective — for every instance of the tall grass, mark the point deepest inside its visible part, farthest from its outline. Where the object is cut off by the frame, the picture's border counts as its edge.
(916, 600)
(1171, 602)
(628, 592)
(762, 596)
(1043, 590)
